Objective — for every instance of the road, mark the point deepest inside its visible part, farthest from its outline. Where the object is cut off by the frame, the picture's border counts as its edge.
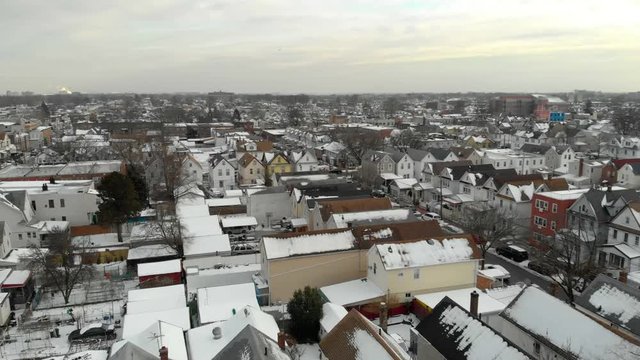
(519, 274)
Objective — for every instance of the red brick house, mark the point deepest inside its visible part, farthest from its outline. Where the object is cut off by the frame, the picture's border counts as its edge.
(549, 212)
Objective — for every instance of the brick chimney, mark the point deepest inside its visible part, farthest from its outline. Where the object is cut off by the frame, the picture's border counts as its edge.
(623, 277)
(384, 316)
(282, 340)
(164, 353)
(581, 167)
(473, 307)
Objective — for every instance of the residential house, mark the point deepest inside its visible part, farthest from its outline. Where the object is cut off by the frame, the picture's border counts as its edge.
(406, 269)
(548, 328)
(595, 208)
(378, 162)
(355, 337)
(622, 249)
(320, 216)
(445, 334)
(304, 161)
(467, 153)
(6, 148)
(333, 154)
(350, 219)
(586, 173)
(5, 240)
(522, 162)
(336, 255)
(549, 212)
(629, 176)
(250, 170)
(472, 182)
(608, 301)
(478, 142)
(276, 163)
(251, 343)
(449, 181)
(222, 175)
(515, 197)
(75, 201)
(331, 316)
(556, 158)
(151, 342)
(212, 341)
(623, 147)
(403, 164)
(269, 206)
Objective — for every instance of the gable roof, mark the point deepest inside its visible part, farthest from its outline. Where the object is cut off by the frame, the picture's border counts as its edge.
(312, 242)
(564, 329)
(439, 153)
(369, 235)
(614, 301)
(458, 335)
(416, 154)
(251, 344)
(397, 155)
(535, 148)
(339, 206)
(247, 159)
(462, 152)
(456, 172)
(357, 338)
(500, 179)
(622, 162)
(600, 198)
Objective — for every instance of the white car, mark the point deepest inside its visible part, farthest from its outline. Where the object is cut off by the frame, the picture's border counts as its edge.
(431, 216)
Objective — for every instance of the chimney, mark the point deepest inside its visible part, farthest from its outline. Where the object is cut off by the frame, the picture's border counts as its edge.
(608, 187)
(281, 340)
(623, 277)
(581, 167)
(384, 314)
(473, 307)
(164, 353)
(52, 180)
(45, 187)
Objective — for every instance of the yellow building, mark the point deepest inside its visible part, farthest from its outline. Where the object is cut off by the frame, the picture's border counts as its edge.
(402, 270)
(276, 163)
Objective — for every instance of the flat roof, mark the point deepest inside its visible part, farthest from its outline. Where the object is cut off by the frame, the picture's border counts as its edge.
(159, 267)
(352, 292)
(220, 303)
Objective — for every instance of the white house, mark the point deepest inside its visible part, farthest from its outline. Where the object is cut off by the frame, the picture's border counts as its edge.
(304, 161)
(222, 174)
(522, 162)
(404, 164)
(629, 176)
(622, 250)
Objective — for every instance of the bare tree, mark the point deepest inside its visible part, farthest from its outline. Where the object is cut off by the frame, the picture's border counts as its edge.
(358, 141)
(491, 228)
(572, 254)
(61, 264)
(170, 232)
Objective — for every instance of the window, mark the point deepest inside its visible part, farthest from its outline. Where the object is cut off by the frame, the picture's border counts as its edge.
(374, 268)
(61, 202)
(536, 347)
(227, 173)
(221, 183)
(554, 208)
(553, 225)
(64, 218)
(33, 204)
(637, 240)
(408, 295)
(616, 261)
(615, 234)
(251, 171)
(219, 172)
(51, 204)
(626, 238)
(19, 236)
(400, 274)
(542, 205)
(416, 273)
(540, 221)
(626, 220)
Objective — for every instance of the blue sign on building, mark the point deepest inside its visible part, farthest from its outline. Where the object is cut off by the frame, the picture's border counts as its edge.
(556, 117)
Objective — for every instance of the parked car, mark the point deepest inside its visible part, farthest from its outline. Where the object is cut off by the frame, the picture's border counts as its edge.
(513, 252)
(431, 216)
(541, 268)
(93, 330)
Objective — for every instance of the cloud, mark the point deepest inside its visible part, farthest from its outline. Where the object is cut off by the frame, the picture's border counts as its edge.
(318, 46)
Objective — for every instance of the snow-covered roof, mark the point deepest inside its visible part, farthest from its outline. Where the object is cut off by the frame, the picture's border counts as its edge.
(209, 244)
(159, 267)
(201, 226)
(390, 176)
(219, 303)
(238, 221)
(331, 315)
(424, 253)
(154, 337)
(505, 294)
(352, 292)
(564, 194)
(462, 297)
(276, 248)
(563, 326)
(17, 278)
(475, 339)
(156, 299)
(231, 201)
(134, 324)
(391, 215)
(151, 251)
(202, 345)
(189, 211)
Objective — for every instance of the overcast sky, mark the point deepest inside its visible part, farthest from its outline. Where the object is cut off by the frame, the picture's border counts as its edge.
(319, 46)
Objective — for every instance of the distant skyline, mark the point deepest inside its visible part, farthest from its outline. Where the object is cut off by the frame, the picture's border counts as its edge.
(320, 47)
